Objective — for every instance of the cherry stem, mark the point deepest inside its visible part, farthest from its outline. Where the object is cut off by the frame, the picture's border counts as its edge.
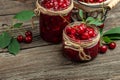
(64, 19)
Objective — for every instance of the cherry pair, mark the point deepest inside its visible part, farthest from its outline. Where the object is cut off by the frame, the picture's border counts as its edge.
(26, 39)
(104, 48)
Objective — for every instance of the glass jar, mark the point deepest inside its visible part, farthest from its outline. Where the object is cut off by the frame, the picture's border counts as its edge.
(80, 50)
(53, 21)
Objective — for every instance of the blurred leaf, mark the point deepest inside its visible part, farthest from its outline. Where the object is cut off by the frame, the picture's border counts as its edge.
(112, 31)
(24, 15)
(106, 39)
(5, 39)
(18, 25)
(14, 47)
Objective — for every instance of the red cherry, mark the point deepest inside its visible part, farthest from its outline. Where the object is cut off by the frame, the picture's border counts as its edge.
(28, 39)
(20, 38)
(103, 49)
(68, 30)
(112, 45)
(91, 33)
(101, 26)
(99, 1)
(73, 31)
(28, 33)
(80, 30)
(85, 36)
(92, 1)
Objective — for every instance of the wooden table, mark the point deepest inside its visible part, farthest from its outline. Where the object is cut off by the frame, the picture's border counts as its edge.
(41, 60)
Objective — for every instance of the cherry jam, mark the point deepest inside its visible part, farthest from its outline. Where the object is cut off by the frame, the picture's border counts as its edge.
(51, 26)
(80, 47)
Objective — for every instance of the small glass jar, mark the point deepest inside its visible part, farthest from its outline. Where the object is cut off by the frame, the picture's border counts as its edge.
(52, 22)
(80, 50)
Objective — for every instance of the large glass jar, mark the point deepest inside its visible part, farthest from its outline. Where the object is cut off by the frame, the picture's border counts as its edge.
(80, 50)
(53, 19)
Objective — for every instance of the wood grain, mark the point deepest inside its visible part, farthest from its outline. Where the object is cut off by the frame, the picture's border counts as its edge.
(44, 61)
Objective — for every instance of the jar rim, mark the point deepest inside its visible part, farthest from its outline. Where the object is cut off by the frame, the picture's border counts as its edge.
(79, 41)
(57, 10)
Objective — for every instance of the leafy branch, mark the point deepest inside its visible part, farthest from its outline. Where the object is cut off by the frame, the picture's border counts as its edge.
(8, 41)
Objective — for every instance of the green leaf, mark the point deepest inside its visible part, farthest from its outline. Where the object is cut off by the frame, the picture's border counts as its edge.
(24, 15)
(96, 22)
(107, 39)
(114, 36)
(14, 47)
(5, 39)
(112, 31)
(18, 25)
(81, 13)
(90, 19)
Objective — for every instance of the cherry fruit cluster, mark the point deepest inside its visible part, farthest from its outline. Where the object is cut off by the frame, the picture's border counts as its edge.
(81, 32)
(26, 39)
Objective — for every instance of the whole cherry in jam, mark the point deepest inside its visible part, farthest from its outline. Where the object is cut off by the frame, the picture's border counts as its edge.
(81, 32)
(92, 1)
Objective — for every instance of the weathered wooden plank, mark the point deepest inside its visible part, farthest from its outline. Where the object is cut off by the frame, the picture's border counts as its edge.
(12, 6)
(48, 63)
(41, 60)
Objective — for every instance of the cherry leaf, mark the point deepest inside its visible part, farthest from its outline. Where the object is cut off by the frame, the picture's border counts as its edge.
(81, 13)
(107, 40)
(90, 19)
(114, 36)
(14, 47)
(18, 25)
(5, 39)
(112, 31)
(24, 15)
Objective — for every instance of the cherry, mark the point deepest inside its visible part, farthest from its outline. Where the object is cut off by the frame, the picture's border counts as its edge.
(73, 31)
(91, 33)
(103, 49)
(28, 33)
(112, 45)
(92, 1)
(85, 36)
(20, 38)
(101, 26)
(99, 1)
(55, 4)
(28, 39)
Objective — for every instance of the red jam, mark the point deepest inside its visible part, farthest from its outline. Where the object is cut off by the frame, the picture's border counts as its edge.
(51, 26)
(79, 34)
(92, 1)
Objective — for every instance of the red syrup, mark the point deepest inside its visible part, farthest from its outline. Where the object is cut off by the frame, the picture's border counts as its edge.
(72, 53)
(51, 26)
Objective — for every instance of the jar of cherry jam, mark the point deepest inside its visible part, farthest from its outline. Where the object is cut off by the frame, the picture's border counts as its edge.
(54, 16)
(80, 42)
